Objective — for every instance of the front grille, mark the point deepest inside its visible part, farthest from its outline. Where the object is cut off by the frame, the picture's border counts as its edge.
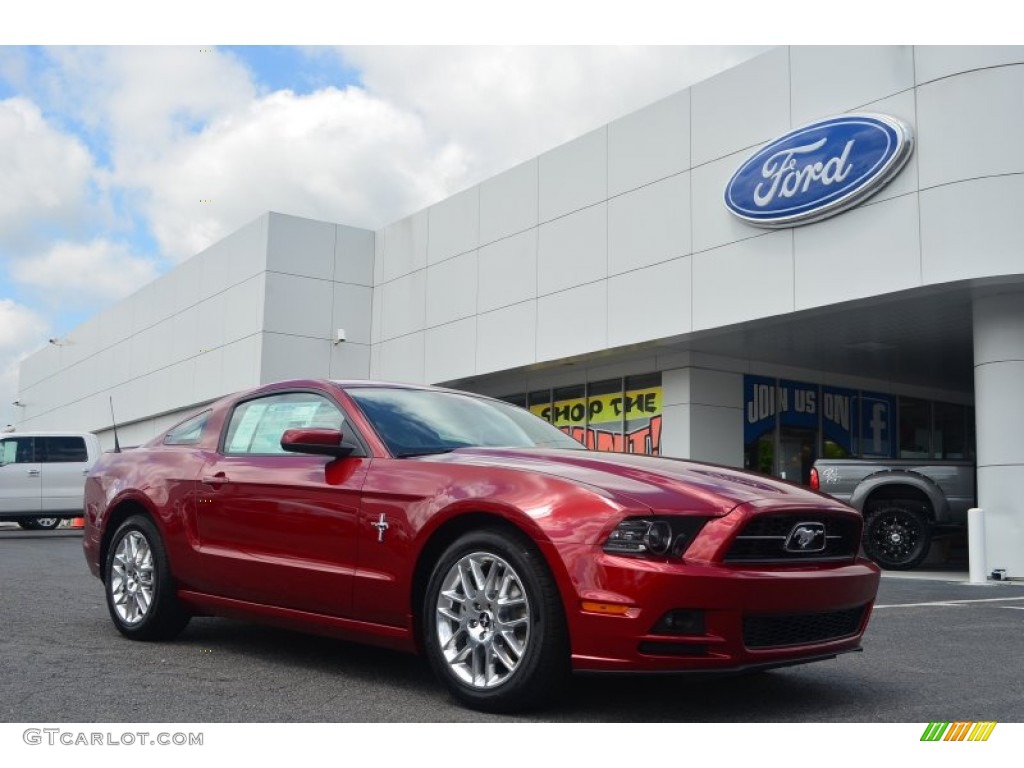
(763, 539)
(779, 630)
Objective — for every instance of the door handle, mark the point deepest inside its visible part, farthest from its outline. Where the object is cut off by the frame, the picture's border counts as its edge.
(218, 479)
(33, 473)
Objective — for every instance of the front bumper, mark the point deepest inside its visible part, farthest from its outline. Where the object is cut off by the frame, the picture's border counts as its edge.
(751, 617)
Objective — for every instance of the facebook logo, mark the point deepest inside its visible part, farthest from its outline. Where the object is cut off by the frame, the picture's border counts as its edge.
(876, 413)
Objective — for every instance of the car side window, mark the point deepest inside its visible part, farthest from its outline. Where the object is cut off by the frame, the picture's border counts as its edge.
(17, 450)
(62, 449)
(256, 426)
(189, 431)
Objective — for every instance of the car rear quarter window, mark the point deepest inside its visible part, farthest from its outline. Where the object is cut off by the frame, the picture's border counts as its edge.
(61, 449)
(189, 431)
(256, 426)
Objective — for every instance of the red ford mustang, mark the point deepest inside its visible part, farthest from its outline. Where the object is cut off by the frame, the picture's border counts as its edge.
(471, 531)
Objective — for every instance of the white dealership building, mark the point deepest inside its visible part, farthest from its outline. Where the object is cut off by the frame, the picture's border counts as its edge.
(607, 286)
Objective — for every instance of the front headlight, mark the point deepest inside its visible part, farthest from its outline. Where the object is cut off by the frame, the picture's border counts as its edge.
(656, 536)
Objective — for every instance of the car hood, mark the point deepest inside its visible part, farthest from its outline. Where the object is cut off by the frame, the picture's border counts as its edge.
(659, 484)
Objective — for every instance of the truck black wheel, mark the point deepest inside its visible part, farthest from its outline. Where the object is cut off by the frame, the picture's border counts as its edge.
(896, 535)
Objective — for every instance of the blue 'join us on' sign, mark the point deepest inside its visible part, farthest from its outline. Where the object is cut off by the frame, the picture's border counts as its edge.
(819, 170)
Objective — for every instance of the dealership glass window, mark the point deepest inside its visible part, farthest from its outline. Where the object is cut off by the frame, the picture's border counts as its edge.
(949, 435)
(256, 426)
(620, 415)
(642, 408)
(539, 403)
(759, 407)
(798, 430)
(915, 428)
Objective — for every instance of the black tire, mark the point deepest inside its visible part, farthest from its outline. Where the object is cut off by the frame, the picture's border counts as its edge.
(511, 679)
(28, 525)
(897, 535)
(138, 584)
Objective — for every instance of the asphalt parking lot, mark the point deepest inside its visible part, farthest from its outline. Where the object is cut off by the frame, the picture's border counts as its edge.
(938, 649)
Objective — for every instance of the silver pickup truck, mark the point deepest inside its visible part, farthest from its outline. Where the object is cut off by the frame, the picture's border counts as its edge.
(904, 502)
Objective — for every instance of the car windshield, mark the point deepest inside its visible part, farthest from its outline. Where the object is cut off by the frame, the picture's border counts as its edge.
(416, 422)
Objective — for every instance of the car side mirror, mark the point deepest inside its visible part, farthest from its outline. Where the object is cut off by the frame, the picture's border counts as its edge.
(323, 442)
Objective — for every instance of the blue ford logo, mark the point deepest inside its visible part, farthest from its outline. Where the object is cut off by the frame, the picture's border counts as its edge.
(819, 170)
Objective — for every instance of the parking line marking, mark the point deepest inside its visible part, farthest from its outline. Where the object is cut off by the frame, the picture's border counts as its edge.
(950, 603)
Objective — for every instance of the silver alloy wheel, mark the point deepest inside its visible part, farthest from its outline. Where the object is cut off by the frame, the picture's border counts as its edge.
(47, 523)
(131, 578)
(482, 620)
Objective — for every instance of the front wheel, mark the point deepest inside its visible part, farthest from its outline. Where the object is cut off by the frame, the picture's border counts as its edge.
(896, 535)
(138, 583)
(493, 625)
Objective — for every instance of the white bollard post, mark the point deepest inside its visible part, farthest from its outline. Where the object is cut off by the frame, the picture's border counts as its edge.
(976, 545)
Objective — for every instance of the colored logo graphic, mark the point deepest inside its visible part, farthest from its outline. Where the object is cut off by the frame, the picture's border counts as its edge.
(819, 170)
(958, 731)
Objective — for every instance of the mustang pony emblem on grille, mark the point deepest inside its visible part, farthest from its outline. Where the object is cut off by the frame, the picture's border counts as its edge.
(806, 537)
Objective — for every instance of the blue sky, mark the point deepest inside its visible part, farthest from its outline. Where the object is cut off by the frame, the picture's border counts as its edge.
(120, 162)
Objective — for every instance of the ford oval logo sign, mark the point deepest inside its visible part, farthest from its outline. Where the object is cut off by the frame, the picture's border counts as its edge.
(819, 170)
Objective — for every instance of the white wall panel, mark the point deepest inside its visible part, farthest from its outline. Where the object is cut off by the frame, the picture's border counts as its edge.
(903, 106)
(651, 144)
(404, 246)
(574, 175)
(451, 289)
(401, 359)
(969, 126)
(247, 249)
(210, 323)
(291, 357)
(572, 322)
(829, 79)
(507, 338)
(865, 252)
(208, 381)
(649, 225)
(935, 61)
(215, 270)
(508, 202)
(241, 364)
(450, 351)
(376, 327)
(713, 225)
(353, 255)
(716, 434)
(743, 281)
(649, 303)
(973, 229)
(185, 339)
(185, 283)
(244, 307)
(454, 226)
(298, 305)
(741, 107)
(350, 361)
(299, 246)
(508, 271)
(352, 312)
(404, 306)
(573, 250)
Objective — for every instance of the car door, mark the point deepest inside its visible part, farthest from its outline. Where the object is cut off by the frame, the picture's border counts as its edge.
(64, 463)
(19, 476)
(278, 528)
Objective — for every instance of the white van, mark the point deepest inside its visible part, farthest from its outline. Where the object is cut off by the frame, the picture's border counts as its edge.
(42, 476)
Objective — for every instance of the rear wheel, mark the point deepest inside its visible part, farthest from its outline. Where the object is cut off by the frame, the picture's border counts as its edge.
(138, 583)
(493, 625)
(897, 535)
(39, 523)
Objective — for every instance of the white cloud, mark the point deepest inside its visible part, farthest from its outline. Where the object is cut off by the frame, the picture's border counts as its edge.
(22, 331)
(339, 155)
(44, 174)
(84, 274)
